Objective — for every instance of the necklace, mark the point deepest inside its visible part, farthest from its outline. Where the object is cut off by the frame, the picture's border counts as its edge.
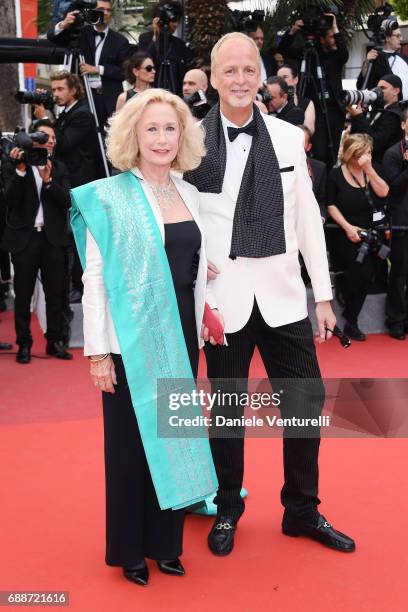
(166, 196)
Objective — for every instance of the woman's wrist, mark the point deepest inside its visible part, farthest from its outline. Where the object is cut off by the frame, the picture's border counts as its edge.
(97, 358)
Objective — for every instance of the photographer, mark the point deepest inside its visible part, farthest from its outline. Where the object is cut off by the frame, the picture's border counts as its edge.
(269, 66)
(332, 53)
(166, 18)
(195, 85)
(395, 165)
(292, 79)
(280, 105)
(36, 234)
(104, 51)
(356, 199)
(386, 60)
(383, 124)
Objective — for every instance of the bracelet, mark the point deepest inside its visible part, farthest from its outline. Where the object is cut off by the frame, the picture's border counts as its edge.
(99, 358)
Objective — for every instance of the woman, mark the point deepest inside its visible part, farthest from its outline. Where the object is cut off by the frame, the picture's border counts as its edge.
(356, 201)
(143, 307)
(291, 77)
(140, 73)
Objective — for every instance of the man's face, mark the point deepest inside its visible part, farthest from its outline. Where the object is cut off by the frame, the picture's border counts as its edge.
(328, 42)
(404, 126)
(63, 95)
(106, 7)
(306, 142)
(390, 93)
(394, 41)
(258, 37)
(236, 74)
(278, 99)
(50, 144)
(193, 81)
(173, 25)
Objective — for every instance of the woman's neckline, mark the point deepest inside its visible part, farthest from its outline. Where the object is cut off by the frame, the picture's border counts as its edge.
(346, 179)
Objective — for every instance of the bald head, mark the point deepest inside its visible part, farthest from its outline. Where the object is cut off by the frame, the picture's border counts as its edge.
(193, 81)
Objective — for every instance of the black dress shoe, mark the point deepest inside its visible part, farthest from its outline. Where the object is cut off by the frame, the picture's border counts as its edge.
(173, 567)
(221, 536)
(23, 354)
(75, 297)
(354, 332)
(323, 532)
(138, 575)
(57, 349)
(397, 332)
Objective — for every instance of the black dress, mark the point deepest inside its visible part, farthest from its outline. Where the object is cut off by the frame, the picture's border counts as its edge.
(136, 527)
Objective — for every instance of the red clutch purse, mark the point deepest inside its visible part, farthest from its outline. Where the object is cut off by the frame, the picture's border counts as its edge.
(215, 328)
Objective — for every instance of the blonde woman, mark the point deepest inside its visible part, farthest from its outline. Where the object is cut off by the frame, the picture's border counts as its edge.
(356, 200)
(144, 293)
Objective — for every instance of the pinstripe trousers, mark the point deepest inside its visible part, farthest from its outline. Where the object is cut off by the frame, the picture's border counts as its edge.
(288, 353)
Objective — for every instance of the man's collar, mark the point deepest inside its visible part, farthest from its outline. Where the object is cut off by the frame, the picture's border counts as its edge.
(104, 31)
(282, 107)
(68, 108)
(227, 123)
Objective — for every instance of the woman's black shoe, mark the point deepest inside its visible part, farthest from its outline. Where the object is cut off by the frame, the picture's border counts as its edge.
(173, 567)
(354, 332)
(138, 575)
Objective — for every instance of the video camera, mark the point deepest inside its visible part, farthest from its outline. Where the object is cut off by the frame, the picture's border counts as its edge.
(366, 97)
(245, 21)
(32, 156)
(88, 13)
(316, 22)
(263, 95)
(382, 24)
(36, 97)
(371, 240)
(167, 12)
(195, 98)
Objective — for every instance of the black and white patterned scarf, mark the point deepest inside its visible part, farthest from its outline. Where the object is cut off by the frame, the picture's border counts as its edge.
(258, 227)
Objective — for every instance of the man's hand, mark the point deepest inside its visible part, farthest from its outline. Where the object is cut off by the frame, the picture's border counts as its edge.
(297, 26)
(205, 333)
(17, 153)
(103, 374)
(372, 55)
(334, 26)
(68, 20)
(355, 111)
(212, 271)
(39, 111)
(45, 172)
(156, 28)
(325, 318)
(406, 155)
(88, 69)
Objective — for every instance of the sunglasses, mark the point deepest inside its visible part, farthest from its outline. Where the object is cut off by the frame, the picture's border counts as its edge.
(343, 339)
(149, 68)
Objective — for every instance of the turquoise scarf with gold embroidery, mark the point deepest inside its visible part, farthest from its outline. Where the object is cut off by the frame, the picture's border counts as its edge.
(145, 315)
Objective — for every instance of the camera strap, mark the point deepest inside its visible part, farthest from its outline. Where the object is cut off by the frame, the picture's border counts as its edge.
(378, 214)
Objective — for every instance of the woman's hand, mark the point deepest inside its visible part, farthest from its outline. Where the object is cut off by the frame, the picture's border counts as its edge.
(365, 162)
(351, 233)
(103, 374)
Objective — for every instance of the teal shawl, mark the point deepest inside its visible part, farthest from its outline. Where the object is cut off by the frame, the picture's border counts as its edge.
(145, 315)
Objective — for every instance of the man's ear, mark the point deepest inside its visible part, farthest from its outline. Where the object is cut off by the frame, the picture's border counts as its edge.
(213, 79)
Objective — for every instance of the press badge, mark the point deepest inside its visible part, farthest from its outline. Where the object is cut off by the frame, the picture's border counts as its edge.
(378, 216)
(94, 80)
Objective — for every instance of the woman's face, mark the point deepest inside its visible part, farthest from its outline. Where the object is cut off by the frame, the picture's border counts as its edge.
(146, 71)
(286, 74)
(158, 134)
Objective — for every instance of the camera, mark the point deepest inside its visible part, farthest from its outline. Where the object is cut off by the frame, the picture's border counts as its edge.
(382, 24)
(245, 21)
(88, 13)
(263, 95)
(195, 98)
(366, 97)
(166, 13)
(32, 156)
(371, 240)
(315, 22)
(36, 97)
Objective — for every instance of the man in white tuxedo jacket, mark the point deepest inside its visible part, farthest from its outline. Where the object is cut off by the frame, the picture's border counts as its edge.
(258, 211)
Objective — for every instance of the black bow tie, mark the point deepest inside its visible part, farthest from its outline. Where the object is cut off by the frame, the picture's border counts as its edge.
(393, 53)
(96, 33)
(247, 129)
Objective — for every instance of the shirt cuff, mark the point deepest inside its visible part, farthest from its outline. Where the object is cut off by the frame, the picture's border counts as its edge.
(21, 173)
(101, 70)
(57, 29)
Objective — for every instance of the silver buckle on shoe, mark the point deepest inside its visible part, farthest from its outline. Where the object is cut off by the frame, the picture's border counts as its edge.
(224, 526)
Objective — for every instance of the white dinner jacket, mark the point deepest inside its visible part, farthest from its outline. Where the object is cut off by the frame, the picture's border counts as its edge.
(99, 332)
(275, 281)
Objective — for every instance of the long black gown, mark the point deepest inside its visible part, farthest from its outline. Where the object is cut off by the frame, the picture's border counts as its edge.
(135, 525)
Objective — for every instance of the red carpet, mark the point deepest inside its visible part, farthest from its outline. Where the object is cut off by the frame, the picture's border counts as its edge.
(52, 518)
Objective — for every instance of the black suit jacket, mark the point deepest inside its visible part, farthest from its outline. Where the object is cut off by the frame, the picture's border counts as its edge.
(318, 172)
(270, 64)
(178, 55)
(380, 68)
(22, 204)
(384, 130)
(396, 174)
(77, 144)
(292, 114)
(114, 52)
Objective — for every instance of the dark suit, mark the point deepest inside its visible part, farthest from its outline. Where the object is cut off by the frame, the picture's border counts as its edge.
(381, 67)
(270, 64)
(33, 250)
(178, 55)
(318, 174)
(384, 128)
(292, 114)
(114, 51)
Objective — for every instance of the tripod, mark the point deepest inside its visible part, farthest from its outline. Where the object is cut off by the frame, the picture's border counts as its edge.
(72, 59)
(165, 80)
(310, 62)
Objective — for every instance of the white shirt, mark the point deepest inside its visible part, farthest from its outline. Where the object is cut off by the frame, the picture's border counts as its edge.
(98, 44)
(264, 76)
(237, 156)
(399, 67)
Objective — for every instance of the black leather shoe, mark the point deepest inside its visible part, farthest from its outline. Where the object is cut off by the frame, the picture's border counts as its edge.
(75, 297)
(397, 332)
(23, 354)
(174, 567)
(354, 332)
(221, 536)
(323, 532)
(57, 349)
(138, 575)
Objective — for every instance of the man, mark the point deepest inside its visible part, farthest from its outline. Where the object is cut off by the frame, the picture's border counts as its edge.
(257, 208)
(196, 82)
(269, 66)
(395, 165)
(386, 61)
(104, 51)
(280, 105)
(76, 146)
(36, 233)
(170, 75)
(333, 55)
(384, 124)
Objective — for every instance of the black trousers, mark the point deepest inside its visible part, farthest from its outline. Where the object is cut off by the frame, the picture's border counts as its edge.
(288, 352)
(321, 149)
(136, 527)
(39, 254)
(397, 295)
